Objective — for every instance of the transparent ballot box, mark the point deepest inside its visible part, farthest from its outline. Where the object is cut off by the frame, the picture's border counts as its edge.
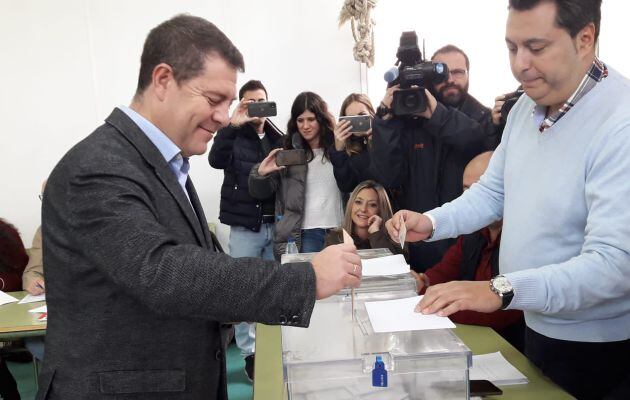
(334, 358)
(364, 254)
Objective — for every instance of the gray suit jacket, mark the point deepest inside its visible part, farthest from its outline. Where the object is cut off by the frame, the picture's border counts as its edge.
(134, 287)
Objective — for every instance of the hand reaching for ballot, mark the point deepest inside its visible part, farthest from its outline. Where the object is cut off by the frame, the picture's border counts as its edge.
(419, 226)
(448, 298)
(336, 267)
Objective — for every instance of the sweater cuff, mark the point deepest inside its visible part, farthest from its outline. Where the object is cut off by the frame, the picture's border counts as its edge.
(529, 291)
(433, 225)
(439, 219)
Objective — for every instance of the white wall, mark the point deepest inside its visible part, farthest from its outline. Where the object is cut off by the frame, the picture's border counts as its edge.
(65, 64)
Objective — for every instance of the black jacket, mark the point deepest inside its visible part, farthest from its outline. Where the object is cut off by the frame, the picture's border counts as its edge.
(235, 151)
(424, 161)
(350, 170)
(135, 290)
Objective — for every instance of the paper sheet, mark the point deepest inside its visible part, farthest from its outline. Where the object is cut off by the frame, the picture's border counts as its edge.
(388, 265)
(496, 369)
(398, 315)
(41, 309)
(29, 298)
(402, 232)
(6, 299)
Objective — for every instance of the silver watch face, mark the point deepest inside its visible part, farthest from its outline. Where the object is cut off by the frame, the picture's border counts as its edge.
(501, 284)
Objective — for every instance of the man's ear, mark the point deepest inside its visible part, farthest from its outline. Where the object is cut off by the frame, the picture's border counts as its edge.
(161, 78)
(585, 39)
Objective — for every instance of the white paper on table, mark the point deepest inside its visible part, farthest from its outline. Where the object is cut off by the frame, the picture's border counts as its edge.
(388, 265)
(41, 309)
(29, 298)
(6, 299)
(496, 369)
(398, 315)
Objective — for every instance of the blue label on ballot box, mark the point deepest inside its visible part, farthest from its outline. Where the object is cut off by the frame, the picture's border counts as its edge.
(379, 373)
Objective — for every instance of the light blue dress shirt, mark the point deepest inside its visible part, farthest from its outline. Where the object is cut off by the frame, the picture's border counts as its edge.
(169, 150)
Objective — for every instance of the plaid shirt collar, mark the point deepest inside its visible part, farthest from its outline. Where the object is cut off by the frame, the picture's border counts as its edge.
(595, 74)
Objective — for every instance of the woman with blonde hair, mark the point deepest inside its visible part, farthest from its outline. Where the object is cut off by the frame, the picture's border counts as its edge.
(366, 212)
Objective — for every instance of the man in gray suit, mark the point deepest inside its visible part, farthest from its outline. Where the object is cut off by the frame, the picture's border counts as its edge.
(135, 288)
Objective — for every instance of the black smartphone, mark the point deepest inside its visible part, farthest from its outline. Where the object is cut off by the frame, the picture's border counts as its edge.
(484, 388)
(291, 157)
(262, 109)
(360, 124)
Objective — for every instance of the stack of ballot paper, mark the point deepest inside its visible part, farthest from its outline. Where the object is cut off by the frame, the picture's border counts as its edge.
(388, 265)
(29, 298)
(495, 368)
(6, 299)
(42, 311)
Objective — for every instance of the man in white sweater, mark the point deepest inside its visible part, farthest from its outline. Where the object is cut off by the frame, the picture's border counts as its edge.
(560, 180)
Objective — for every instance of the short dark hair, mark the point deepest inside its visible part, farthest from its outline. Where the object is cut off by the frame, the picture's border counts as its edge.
(309, 101)
(571, 15)
(449, 48)
(251, 85)
(184, 42)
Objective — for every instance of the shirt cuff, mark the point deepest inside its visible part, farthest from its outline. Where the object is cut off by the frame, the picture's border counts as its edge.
(433, 224)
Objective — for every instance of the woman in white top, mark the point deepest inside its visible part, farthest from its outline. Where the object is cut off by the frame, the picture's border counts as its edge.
(308, 201)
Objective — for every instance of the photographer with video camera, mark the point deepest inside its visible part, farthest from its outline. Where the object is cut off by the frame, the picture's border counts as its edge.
(421, 144)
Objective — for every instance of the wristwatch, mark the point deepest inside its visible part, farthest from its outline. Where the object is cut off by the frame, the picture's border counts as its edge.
(502, 288)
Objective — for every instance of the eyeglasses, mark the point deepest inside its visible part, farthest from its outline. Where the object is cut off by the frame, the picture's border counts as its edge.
(41, 197)
(458, 73)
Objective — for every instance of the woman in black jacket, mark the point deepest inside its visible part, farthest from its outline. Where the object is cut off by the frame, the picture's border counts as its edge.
(350, 156)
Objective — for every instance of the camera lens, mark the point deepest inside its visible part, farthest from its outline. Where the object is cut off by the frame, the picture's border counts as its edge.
(411, 101)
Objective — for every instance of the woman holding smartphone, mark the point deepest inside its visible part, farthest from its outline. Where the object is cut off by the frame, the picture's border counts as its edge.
(351, 156)
(366, 212)
(308, 202)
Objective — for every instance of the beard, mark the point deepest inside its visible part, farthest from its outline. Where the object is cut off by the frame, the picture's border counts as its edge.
(453, 98)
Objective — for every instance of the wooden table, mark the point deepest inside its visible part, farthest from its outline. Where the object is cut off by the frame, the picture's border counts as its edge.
(16, 322)
(268, 381)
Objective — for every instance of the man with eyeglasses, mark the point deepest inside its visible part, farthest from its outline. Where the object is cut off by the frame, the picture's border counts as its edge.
(421, 158)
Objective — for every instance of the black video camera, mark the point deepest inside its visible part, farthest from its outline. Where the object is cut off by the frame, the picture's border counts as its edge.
(414, 71)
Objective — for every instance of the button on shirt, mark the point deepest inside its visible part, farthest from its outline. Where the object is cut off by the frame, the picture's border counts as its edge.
(169, 150)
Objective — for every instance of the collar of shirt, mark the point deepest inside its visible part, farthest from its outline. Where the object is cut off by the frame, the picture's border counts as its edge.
(169, 150)
(595, 74)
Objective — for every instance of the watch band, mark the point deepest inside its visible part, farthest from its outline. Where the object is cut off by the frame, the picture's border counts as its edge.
(506, 299)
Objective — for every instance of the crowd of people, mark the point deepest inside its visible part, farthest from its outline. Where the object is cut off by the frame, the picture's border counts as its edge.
(518, 226)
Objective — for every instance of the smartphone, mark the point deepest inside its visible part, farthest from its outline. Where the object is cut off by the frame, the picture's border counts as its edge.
(483, 388)
(360, 124)
(291, 157)
(262, 109)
